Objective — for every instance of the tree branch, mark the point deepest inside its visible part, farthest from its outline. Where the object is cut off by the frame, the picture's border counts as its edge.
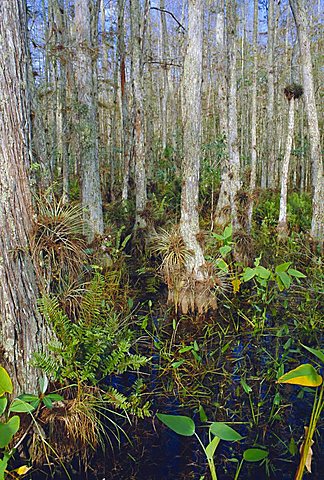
(169, 13)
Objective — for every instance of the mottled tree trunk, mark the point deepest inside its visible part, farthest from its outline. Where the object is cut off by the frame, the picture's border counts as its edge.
(222, 216)
(126, 141)
(86, 24)
(165, 69)
(233, 147)
(253, 115)
(191, 116)
(300, 16)
(62, 125)
(195, 292)
(282, 222)
(22, 330)
(138, 35)
(269, 160)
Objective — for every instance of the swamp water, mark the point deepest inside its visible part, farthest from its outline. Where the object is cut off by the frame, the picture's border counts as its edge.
(235, 383)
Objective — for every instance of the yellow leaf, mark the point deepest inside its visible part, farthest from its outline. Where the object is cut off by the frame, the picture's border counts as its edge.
(22, 470)
(236, 285)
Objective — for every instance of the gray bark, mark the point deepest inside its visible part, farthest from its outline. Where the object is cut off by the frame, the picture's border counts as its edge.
(254, 114)
(300, 17)
(282, 222)
(191, 116)
(22, 330)
(86, 20)
(138, 36)
(233, 147)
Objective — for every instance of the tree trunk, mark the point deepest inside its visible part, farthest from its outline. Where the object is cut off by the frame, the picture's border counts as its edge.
(195, 292)
(282, 222)
(124, 100)
(300, 17)
(86, 21)
(254, 114)
(268, 162)
(137, 35)
(233, 148)
(21, 328)
(224, 195)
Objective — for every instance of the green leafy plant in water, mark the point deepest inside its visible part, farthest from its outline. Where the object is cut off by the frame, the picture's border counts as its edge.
(11, 423)
(218, 431)
(306, 375)
(267, 281)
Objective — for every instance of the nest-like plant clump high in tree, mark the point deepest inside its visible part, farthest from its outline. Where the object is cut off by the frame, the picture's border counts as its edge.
(293, 90)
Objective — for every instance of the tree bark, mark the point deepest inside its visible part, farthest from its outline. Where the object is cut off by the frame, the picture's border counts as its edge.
(233, 148)
(300, 17)
(254, 114)
(282, 222)
(22, 330)
(224, 194)
(191, 117)
(138, 36)
(86, 24)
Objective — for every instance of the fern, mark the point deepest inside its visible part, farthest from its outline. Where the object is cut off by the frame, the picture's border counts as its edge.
(96, 344)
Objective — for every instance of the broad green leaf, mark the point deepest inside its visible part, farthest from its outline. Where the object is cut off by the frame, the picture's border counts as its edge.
(225, 250)
(3, 404)
(305, 375)
(283, 267)
(245, 386)
(5, 382)
(8, 430)
(262, 272)
(43, 384)
(19, 406)
(55, 397)
(255, 454)
(211, 447)
(224, 432)
(284, 277)
(196, 346)
(248, 274)
(47, 402)
(178, 423)
(318, 353)
(228, 231)
(27, 397)
(296, 273)
(222, 264)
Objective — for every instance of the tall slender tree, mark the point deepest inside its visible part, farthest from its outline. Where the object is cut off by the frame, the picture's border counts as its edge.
(138, 30)
(233, 148)
(22, 330)
(86, 26)
(298, 9)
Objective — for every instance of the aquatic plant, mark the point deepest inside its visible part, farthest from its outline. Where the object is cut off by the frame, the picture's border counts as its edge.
(306, 375)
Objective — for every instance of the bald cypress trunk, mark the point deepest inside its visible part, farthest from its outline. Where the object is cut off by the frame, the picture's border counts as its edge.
(21, 329)
(138, 36)
(86, 25)
(300, 17)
